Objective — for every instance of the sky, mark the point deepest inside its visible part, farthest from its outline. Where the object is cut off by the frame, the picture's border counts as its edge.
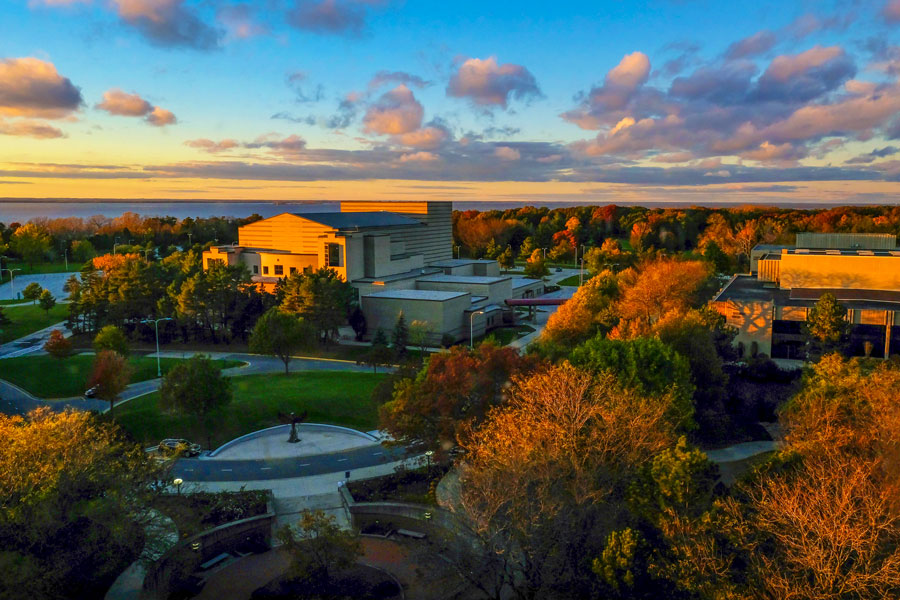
(608, 101)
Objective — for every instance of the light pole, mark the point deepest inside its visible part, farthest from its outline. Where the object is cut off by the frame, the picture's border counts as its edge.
(66, 257)
(457, 251)
(545, 254)
(189, 239)
(581, 274)
(178, 481)
(156, 323)
(472, 327)
(12, 281)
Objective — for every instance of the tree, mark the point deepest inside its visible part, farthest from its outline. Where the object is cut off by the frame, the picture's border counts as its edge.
(196, 388)
(546, 473)
(400, 338)
(110, 375)
(587, 313)
(31, 243)
(647, 365)
(507, 259)
(58, 346)
(826, 325)
(83, 251)
(112, 338)
(281, 335)
(4, 320)
(535, 266)
(46, 301)
(719, 260)
(357, 321)
(379, 353)
(319, 548)
(32, 292)
(73, 500)
(456, 389)
(322, 298)
(419, 334)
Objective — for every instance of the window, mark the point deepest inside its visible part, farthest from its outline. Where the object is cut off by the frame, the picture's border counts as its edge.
(211, 262)
(255, 269)
(333, 255)
(265, 270)
(293, 270)
(279, 270)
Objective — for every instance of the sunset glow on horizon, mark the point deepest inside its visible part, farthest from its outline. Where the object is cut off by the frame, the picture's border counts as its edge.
(375, 99)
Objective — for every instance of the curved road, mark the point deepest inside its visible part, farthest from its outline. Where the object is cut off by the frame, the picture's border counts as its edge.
(208, 469)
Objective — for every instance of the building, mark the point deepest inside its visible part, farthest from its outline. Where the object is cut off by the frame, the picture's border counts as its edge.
(769, 306)
(398, 255)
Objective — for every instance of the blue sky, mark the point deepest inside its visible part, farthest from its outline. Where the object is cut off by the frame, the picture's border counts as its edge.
(344, 98)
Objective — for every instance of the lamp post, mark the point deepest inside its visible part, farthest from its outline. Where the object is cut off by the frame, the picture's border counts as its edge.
(581, 274)
(66, 257)
(472, 327)
(545, 254)
(156, 323)
(12, 280)
(190, 242)
(178, 481)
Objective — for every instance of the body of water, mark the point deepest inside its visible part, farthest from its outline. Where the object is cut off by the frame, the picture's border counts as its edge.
(24, 210)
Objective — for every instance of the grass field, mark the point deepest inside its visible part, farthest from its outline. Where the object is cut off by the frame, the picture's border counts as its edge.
(504, 335)
(574, 280)
(332, 397)
(28, 319)
(48, 377)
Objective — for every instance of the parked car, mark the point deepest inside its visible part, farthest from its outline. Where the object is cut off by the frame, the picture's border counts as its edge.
(91, 392)
(177, 447)
(559, 269)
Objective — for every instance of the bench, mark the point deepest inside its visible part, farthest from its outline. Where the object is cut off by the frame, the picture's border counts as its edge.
(214, 561)
(412, 534)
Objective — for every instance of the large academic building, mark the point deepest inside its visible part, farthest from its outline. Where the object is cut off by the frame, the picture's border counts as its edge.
(398, 255)
(769, 306)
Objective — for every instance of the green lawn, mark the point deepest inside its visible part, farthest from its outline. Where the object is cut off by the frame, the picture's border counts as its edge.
(47, 267)
(28, 319)
(574, 280)
(48, 377)
(332, 397)
(504, 335)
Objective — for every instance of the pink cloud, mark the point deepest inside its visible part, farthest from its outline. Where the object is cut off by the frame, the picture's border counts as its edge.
(211, 145)
(507, 153)
(29, 128)
(397, 112)
(33, 88)
(784, 67)
(891, 11)
(486, 83)
(420, 157)
(122, 104)
(426, 137)
(168, 23)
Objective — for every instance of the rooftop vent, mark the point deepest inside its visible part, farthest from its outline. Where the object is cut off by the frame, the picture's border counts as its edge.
(865, 253)
(832, 252)
(801, 251)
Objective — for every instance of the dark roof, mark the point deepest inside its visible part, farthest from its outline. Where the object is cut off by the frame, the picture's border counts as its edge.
(360, 220)
(747, 288)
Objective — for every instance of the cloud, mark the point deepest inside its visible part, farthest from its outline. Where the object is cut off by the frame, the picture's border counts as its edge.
(296, 81)
(486, 83)
(29, 128)
(420, 157)
(238, 21)
(426, 137)
(891, 11)
(807, 75)
(396, 112)
(391, 77)
(331, 17)
(758, 43)
(122, 104)
(874, 155)
(507, 153)
(211, 146)
(291, 145)
(168, 23)
(31, 87)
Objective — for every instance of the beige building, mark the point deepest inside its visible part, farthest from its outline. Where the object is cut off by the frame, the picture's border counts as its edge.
(769, 306)
(398, 255)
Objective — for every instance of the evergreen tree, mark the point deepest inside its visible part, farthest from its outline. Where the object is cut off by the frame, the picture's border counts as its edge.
(826, 325)
(46, 301)
(400, 337)
(379, 353)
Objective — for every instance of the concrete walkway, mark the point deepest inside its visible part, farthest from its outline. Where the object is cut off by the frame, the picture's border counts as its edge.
(31, 343)
(163, 533)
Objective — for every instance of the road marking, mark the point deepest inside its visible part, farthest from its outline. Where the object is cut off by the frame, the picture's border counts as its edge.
(265, 468)
(377, 453)
(342, 460)
(225, 469)
(191, 470)
(305, 465)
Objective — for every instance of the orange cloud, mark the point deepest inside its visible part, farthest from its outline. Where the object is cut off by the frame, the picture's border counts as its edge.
(33, 88)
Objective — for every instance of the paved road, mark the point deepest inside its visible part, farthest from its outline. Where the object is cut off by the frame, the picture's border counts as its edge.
(31, 343)
(211, 469)
(49, 281)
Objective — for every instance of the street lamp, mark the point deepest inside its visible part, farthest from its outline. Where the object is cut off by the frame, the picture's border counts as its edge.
(472, 326)
(178, 481)
(66, 257)
(581, 274)
(156, 323)
(457, 251)
(189, 239)
(12, 278)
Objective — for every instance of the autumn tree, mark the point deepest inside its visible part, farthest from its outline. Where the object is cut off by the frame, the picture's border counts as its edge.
(587, 313)
(31, 243)
(546, 472)
(826, 327)
(419, 334)
(456, 389)
(281, 335)
(319, 549)
(46, 301)
(507, 259)
(32, 292)
(110, 374)
(73, 498)
(83, 251)
(535, 266)
(112, 338)
(196, 388)
(58, 345)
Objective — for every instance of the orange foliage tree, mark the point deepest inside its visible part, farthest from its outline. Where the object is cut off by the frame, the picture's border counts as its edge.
(588, 312)
(110, 375)
(455, 389)
(58, 346)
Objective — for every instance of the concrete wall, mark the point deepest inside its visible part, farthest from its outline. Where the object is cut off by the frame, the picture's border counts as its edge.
(434, 242)
(443, 317)
(753, 320)
(768, 270)
(496, 292)
(840, 271)
(287, 262)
